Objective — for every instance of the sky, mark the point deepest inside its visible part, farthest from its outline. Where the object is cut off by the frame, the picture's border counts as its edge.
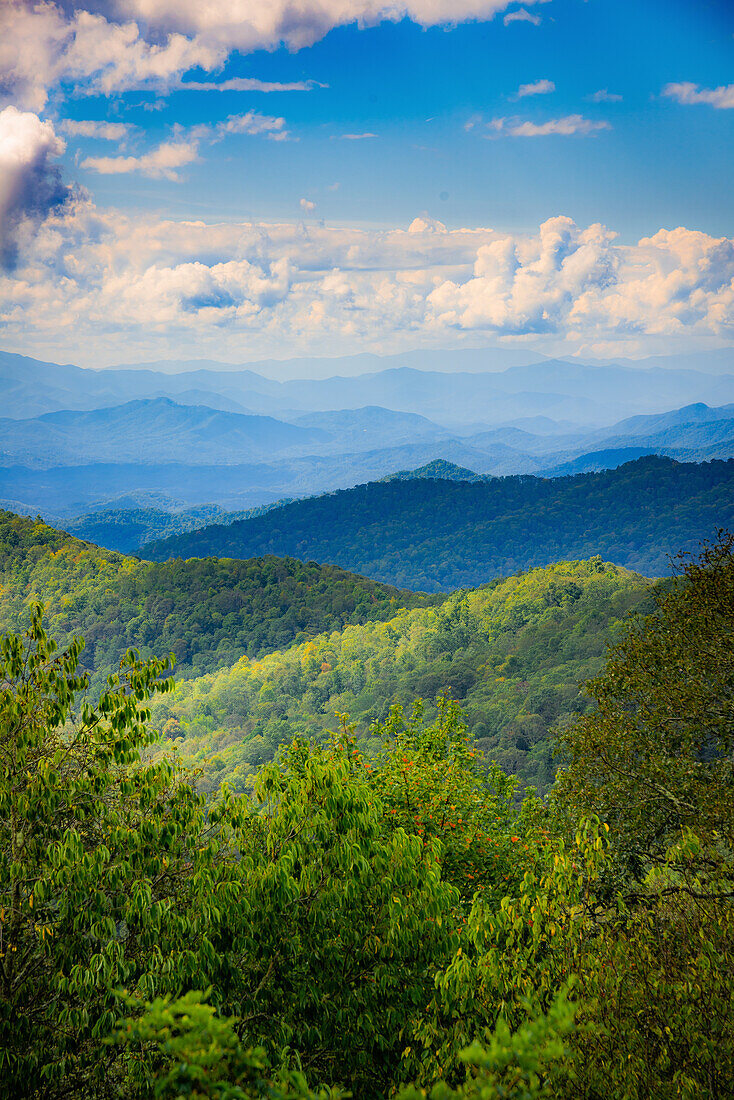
(264, 178)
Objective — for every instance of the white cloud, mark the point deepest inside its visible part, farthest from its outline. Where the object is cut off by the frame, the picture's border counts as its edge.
(104, 131)
(722, 97)
(566, 126)
(102, 47)
(357, 137)
(307, 205)
(164, 161)
(252, 24)
(30, 184)
(538, 87)
(522, 15)
(41, 47)
(425, 224)
(89, 279)
(249, 84)
(250, 123)
(160, 163)
(604, 96)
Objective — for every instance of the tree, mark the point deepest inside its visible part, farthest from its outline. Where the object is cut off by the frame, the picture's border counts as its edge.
(655, 755)
(96, 851)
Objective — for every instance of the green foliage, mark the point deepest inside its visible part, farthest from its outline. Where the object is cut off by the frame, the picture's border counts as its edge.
(654, 756)
(512, 652)
(385, 922)
(197, 1054)
(94, 852)
(208, 613)
(438, 535)
(513, 1065)
(432, 781)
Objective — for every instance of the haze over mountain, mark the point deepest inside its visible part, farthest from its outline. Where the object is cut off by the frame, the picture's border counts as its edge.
(589, 395)
(149, 431)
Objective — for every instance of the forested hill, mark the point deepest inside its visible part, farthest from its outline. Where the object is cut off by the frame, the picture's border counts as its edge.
(438, 535)
(207, 612)
(513, 652)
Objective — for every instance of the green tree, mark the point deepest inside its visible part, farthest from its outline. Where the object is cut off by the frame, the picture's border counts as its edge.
(192, 1052)
(95, 855)
(655, 756)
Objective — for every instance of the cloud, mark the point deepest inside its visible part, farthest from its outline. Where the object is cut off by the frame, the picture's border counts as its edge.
(31, 187)
(249, 84)
(357, 137)
(164, 161)
(112, 46)
(104, 131)
(566, 126)
(89, 279)
(604, 96)
(522, 15)
(42, 48)
(721, 98)
(539, 87)
(250, 123)
(425, 224)
(307, 205)
(160, 163)
(251, 24)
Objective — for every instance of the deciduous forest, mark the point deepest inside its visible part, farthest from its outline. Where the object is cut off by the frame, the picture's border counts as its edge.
(384, 917)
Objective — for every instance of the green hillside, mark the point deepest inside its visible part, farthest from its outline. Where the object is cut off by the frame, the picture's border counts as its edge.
(438, 535)
(207, 612)
(513, 652)
(439, 469)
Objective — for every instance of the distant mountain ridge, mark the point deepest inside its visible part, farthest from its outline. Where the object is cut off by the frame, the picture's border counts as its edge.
(437, 535)
(155, 430)
(548, 387)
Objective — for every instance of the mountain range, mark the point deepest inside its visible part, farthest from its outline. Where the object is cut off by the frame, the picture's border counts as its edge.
(208, 440)
(583, 392)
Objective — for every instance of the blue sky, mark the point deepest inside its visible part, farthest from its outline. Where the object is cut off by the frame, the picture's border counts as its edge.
(661, 163)
(604, 111)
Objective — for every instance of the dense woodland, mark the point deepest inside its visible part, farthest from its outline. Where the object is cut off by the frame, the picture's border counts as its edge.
(513, 652)
(127, 529)
(380, 920)
(438, 535)
(207, 613)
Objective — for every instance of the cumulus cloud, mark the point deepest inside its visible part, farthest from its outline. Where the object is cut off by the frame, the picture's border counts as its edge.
(30, 183)
(721, 97)
(170, 287)
(538, 87)
(159, 163)
(522, 15)
(522, 286)
(425, 224)
(104, 131)
(251, 24)
(565, 127)
(307, 205)
(111, 46)
(41, 47)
